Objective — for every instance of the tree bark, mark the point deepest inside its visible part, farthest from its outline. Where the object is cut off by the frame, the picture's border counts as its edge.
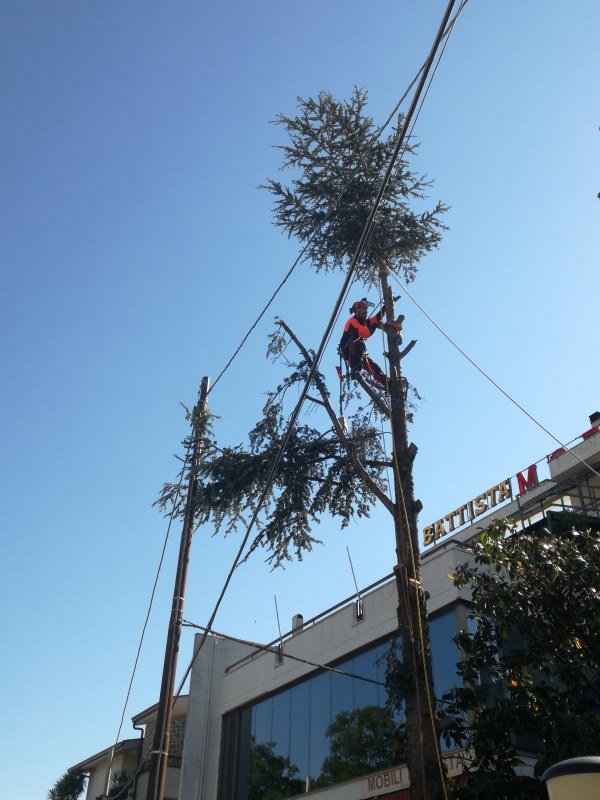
(422, 740)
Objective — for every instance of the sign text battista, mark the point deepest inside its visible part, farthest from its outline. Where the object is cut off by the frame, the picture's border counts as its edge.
(485, 501)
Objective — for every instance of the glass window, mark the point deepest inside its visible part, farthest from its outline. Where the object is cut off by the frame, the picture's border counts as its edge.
(299, 728)
(320, 717)
(445, 654)
(366, 693)
(329, 728)
(227, 755)
(280, 734)
(262, 721)
(342, 692)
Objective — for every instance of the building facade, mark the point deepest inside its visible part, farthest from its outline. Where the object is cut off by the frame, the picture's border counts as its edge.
(307, 714)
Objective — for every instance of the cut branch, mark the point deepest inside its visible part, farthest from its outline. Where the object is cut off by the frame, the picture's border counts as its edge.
(408, 348)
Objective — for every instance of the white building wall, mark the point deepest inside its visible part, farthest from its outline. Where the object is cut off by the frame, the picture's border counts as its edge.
(96, 782)
(201, 751)
(324, 641)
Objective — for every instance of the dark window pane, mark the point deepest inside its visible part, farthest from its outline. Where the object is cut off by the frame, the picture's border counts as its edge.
(300, 729)
(320, 718)
(366, 693)
(262, 722)
(281, 723)
(227, 757)
(342, 691)
(244, 752)
(445, 654)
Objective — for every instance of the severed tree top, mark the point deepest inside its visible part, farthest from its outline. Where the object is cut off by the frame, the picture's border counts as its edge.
(336, 158)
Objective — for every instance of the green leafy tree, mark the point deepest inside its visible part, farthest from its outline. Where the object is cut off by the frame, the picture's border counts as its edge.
(120, 782)
(531, 668)
(68, 787)
(362, 741)
(271, 776)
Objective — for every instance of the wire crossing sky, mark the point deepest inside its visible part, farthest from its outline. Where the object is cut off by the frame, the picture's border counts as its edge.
(137, 251)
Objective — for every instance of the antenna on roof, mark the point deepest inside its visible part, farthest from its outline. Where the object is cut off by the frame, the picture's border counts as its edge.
(360, 613)
(280, 645)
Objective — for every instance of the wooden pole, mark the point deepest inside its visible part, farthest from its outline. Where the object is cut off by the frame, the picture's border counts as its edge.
(160, 744)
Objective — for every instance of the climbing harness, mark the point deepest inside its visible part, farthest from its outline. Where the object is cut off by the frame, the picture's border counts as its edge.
(370, 371)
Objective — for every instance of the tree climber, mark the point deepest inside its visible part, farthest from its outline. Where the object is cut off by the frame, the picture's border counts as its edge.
(352, 345)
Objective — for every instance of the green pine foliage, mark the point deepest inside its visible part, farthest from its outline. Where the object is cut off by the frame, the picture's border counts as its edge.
(315, 477)
(336, 158)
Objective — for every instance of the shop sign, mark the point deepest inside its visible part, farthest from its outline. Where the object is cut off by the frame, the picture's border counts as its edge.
(393, 780)
(484, 502)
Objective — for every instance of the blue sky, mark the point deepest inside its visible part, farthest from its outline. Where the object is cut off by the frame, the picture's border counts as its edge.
(136, 250)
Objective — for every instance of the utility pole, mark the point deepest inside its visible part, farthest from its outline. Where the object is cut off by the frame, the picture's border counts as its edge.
(160, 745)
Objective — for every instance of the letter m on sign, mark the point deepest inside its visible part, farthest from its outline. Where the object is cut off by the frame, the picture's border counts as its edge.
(527, 483)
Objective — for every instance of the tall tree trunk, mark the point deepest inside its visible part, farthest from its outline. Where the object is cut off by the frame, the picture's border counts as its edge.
(422, 741)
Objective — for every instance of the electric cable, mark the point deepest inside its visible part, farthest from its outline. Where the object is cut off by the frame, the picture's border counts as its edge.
(336, 310)
(447, 32)
(261, 315)
(269, 649)
(377, 134)
(150, 604)
(293, 419)
(493, 382)
(435, 69)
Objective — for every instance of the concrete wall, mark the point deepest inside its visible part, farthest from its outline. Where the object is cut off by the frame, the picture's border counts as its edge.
(325, 641)
(200, 768)
(96, 782)
(568, 464)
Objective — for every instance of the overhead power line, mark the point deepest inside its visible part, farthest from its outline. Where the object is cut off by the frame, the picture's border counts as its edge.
(493, 382)
(150, 605)
(334, 206)
(267, 648)
(343, 294)
(398, 148)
